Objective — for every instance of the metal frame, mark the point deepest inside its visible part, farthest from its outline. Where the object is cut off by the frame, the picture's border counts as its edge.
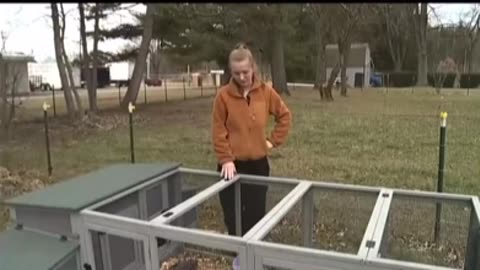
(253, 251)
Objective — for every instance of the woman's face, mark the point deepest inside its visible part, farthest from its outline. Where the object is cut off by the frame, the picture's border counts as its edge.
(242, 73)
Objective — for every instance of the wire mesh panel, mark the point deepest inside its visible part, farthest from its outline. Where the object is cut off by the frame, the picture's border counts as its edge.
(152, 200)
(112, 252)
(289, 230)
(191, 184)
(425, 231)
(127, 206)
(341, 217)
(217, 214)
(194, 220)
(336, 221)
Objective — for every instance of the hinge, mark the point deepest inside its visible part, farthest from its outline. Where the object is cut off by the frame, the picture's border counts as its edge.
(370, 244)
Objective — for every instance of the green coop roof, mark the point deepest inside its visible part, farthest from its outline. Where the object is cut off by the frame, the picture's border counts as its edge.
(80, 192)
(22, 250)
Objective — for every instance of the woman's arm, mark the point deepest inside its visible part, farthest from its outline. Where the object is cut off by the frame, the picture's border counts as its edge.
(283, 118)
(219, 131)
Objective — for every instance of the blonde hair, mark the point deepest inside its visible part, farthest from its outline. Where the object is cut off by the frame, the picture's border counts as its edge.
(240, 53)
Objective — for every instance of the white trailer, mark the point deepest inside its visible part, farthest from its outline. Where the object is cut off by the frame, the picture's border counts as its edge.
(121, 72)
(46, 75)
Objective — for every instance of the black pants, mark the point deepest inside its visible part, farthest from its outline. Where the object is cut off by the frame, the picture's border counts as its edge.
(253, 197)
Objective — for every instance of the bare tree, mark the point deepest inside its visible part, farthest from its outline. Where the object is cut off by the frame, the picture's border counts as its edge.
(4, 37)
(420, 22)
(10, 76)
(134, 85)
(63, 26)
(155, 58)
(322, 30)
(440, 74)
(343, 31)
(95, 55)
(472, 25)
(279, 75)
(67, 91)
(396, 19)
(86, 60)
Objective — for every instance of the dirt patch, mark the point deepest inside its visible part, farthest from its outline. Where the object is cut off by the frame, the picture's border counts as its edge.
(195, 261)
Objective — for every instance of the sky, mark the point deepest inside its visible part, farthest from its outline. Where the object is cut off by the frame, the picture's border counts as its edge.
(29, 30)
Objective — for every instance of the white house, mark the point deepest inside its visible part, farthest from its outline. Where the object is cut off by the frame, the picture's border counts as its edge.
(17, 70)
(358, 66)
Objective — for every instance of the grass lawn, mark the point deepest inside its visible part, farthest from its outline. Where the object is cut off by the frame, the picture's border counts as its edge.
(368, 138)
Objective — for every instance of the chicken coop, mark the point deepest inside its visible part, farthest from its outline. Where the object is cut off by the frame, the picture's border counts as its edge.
(166, 216)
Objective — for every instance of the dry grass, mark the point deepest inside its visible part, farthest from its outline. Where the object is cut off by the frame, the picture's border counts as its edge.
(107, 98)
(368, 138)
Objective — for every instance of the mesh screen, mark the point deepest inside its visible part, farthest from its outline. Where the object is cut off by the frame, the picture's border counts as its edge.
(210, 215)
(160, 196)
(339, 221)
(115, 252)
(341, 218)
(289, 230)
(410, 232)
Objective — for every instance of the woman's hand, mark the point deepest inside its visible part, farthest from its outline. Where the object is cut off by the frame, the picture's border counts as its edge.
(228, 170)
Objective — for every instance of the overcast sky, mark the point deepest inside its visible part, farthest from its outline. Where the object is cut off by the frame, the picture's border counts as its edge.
(29, 30)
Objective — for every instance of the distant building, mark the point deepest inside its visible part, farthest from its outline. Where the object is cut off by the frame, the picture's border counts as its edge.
(17, 70)
(358, 66)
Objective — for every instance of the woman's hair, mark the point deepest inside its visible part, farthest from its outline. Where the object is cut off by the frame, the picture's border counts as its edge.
(241, 52)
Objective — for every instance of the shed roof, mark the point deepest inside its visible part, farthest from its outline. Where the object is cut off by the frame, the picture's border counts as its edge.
(82, 191)
(22, 249)
(357, 57)
(17, 57)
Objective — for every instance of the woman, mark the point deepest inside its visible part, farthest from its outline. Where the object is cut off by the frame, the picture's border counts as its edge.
(240, 117)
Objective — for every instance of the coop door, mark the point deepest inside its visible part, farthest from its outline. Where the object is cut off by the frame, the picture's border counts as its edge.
(119, 252)
(114, 252)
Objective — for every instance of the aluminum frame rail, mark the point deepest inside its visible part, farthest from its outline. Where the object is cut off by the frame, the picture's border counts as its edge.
(253, 251)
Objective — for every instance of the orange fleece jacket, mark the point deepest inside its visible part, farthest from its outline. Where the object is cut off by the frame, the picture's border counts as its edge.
(239, 128)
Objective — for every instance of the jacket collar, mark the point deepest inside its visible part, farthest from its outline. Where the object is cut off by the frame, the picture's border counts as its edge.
(234, 88)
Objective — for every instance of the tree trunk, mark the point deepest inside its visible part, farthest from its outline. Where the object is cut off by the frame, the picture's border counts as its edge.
(222, 61)
(397, 65)
(60, 64)
(344, 52)
(331, 81)
(3, 96)
(94, 108)
(456, 82)
(320, 70)
(77, 102)
(8, 107)
(139, 69)
(155, 59)
(279, 75)
(86, 60)
(422, 67)
(225, 79)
